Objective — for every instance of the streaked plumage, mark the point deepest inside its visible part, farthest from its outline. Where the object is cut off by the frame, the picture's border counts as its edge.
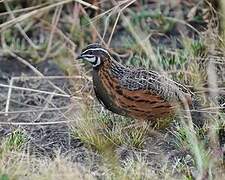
(134, 92)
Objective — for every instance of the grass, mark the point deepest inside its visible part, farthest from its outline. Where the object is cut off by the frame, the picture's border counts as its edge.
(15, 140)
(103, 134)
(102, 130)
(56, 31)
(18, 166)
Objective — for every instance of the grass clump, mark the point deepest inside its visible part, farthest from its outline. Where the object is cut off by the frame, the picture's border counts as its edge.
(23, 166)
(137, 168)
(104, 133)
(103, 130)
(13, 142)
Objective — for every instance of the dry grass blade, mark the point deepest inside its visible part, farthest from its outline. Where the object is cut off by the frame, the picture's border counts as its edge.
(33, 69)
(55, 20)
(35, 90)
(87, 4)
(23, 9)
(35, 123)
(19, 27)
(117, 19)
(8, 97)
(23, 17)
(34, 110)
(94, 28)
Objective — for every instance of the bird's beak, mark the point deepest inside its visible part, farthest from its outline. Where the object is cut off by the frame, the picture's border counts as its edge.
(80, 57)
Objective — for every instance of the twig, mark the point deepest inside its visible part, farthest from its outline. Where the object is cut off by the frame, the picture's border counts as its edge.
(55, 20)
(34, 124)
(32, 110)
(113, 30)
(47, 25)
(45, 107)
(35, 90)
(24, 9)
(49, 77)
(94, 28)
(8, 97)
(33, 69)
(19, 27)
(36, 11)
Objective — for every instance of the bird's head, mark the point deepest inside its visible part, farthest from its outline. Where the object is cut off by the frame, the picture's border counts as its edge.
(95, 54)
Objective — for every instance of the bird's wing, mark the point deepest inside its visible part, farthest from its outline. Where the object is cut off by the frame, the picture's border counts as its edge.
(154, 82)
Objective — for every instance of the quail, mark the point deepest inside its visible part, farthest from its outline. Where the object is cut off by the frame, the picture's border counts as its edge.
(134, 92)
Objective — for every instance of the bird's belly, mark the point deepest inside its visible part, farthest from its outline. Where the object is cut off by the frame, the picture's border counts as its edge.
(142, 104)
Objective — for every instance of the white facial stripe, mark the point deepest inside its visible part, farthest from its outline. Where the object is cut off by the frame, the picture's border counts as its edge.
(96, 49)
(98, 62)
(90, 59)
(95, 61)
